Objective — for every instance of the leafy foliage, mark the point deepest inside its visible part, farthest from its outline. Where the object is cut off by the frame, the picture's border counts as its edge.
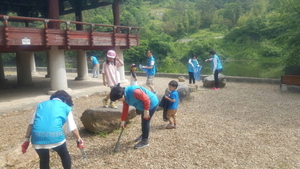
(240, 30)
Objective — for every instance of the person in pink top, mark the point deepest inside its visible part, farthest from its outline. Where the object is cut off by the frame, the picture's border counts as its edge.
(110, 74)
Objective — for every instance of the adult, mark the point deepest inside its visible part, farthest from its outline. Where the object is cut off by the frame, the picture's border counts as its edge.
(143, 100)
(46, 129)
(216, 67)
(151, 71)
(192, 65)
(95, 64)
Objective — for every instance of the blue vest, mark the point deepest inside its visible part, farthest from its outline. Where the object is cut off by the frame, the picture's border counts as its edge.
(151, 72)
(138, 104)
(219, 64)
(50, 117)
(195, 63)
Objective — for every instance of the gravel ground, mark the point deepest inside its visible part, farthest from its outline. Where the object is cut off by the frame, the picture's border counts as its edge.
(240, 126)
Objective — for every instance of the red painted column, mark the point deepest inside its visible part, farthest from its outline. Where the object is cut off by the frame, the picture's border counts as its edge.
(53, 13)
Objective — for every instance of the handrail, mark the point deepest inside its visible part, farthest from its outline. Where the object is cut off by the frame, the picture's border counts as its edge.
(46, 21)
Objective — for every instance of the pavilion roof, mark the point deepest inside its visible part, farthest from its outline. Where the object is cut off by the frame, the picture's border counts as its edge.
(39, 8)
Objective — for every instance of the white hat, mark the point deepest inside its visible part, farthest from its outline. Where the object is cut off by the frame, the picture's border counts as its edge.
(111, 54)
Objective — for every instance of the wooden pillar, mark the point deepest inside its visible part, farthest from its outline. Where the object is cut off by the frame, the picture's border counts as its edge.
(78, 17)
(53, 13)
(116, 13)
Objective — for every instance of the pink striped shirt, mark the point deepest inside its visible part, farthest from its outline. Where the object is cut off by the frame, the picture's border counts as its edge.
(111, 73)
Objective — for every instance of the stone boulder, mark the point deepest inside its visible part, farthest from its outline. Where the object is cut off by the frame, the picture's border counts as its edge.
(181, 78)
(103, 119)
(193, 87)
(209, 81)
(183, 91)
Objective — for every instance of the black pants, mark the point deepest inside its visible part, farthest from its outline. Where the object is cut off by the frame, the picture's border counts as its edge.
(216, 77)
(192, 78)
(146, 124)
(62, 152)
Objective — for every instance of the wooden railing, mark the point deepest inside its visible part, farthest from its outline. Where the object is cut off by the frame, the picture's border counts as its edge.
(62, 34)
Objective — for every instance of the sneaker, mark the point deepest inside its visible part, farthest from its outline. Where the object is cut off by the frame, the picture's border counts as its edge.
(170, 126)
(139, 138)
(112, 105)
(141, 144)
(214, 88)
(105, 102)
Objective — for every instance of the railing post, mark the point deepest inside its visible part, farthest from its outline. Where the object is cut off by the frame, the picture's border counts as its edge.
(92, 35)
(46, 21)
(67, 35)
(5, 30)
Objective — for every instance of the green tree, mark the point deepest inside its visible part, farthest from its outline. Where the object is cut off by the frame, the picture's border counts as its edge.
(288, 20)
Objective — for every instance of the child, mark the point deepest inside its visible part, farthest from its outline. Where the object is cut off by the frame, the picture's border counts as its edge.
(133, 79)
(173, 101)
(110, 74)
(192, 65)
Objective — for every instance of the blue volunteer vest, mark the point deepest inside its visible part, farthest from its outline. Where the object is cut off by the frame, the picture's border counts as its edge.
(219, 64)
(151, 72)
(138, 104)
(195, 63)
(50, 116)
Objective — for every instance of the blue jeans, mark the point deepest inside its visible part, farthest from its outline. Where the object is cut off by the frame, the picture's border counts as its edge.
(146, 124)
(95, 71)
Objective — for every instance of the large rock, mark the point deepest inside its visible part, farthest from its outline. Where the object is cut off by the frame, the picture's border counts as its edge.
(183, 91)
(102, 119)
(181, 78)
(193, 87)
(209, 81)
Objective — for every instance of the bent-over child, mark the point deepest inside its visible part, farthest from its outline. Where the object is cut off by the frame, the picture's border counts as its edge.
(173, 100)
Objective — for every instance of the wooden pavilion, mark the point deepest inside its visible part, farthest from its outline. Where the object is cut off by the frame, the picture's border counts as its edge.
(56, 36)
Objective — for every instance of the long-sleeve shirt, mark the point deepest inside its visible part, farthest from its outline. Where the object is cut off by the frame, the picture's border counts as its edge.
(140, 95)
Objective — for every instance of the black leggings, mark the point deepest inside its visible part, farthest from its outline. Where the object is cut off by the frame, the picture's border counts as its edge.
(146, 124)
(216, 77)
(62, 152)
(192, 78)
